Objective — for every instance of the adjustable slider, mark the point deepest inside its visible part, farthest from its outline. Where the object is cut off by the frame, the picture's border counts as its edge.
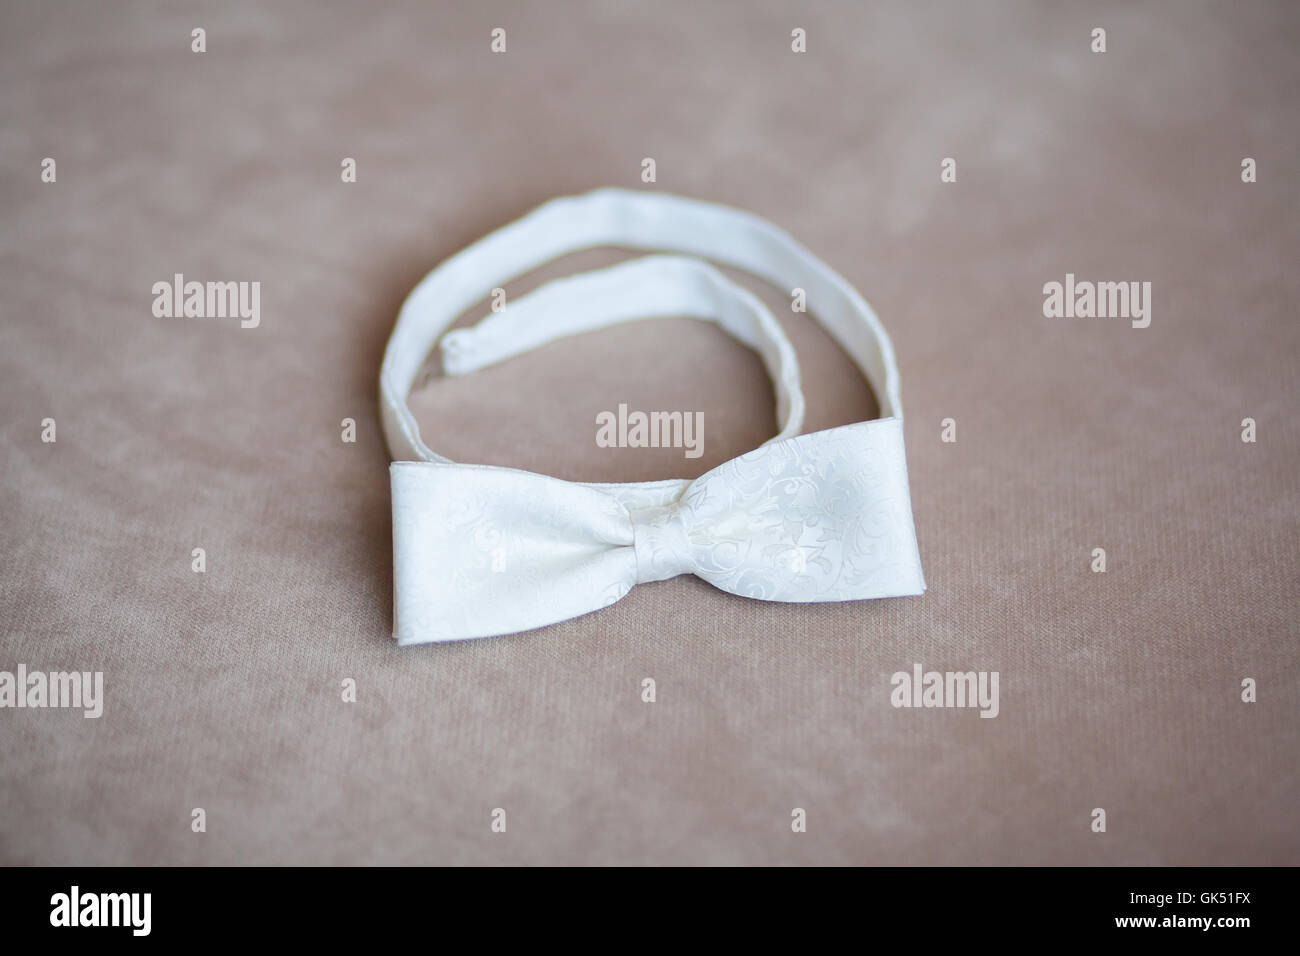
(493, 340)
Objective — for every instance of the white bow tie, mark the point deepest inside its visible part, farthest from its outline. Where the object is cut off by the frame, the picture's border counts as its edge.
(480, 551)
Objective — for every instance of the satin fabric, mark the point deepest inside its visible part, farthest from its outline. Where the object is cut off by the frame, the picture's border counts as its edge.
(481, 551)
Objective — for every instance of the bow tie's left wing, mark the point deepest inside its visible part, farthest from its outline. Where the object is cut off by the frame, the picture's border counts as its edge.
(480, 551)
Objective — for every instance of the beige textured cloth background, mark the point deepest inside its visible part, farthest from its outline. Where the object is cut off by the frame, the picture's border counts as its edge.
(1118, 690)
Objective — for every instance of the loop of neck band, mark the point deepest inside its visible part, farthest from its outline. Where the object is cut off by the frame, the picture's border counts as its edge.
(648, 287)
(663, 285)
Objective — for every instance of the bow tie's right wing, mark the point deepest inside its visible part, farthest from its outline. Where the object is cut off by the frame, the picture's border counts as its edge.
(825, 516)
(481, 551)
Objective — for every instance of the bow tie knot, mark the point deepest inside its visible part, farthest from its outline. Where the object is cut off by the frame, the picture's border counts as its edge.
(663, 548)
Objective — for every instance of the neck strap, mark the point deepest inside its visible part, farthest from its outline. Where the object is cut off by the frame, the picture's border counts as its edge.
(641, 288)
